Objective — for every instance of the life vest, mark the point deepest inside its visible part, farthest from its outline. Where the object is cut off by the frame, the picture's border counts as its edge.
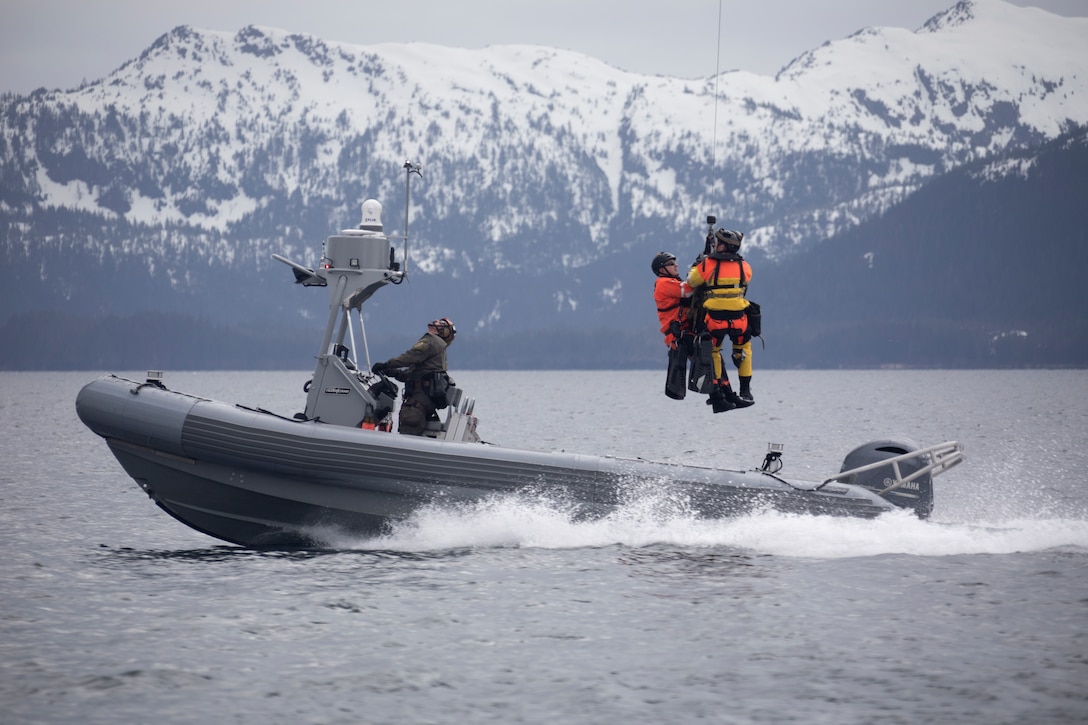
(723, 279)
(673, 299)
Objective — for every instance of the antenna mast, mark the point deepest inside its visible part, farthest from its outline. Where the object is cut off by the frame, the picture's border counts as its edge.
(409, 169)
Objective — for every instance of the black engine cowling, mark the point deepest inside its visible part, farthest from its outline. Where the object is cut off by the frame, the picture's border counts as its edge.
(916, 495)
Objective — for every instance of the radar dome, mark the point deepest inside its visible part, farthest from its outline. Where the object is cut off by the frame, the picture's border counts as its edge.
(372, 216)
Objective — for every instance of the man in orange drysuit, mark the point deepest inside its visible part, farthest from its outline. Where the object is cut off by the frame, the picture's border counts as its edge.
(722, 277)
(673, 298)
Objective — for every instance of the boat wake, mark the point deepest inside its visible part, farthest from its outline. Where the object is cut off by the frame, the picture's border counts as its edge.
(539, 523)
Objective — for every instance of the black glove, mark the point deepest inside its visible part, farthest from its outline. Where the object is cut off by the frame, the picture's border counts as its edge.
(379, 367)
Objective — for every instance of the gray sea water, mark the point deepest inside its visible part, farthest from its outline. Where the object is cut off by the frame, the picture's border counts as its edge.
(112, 612)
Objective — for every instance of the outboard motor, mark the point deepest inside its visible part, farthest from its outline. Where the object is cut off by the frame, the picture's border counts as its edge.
(892, 482)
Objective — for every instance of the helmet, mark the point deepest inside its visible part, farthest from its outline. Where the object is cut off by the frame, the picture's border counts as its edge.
(729, 238)
(661, 260)
(444, 327)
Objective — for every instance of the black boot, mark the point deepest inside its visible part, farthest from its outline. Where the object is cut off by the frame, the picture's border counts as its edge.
(746, 389)
(719, 401)
(722, 398)
(736, 400)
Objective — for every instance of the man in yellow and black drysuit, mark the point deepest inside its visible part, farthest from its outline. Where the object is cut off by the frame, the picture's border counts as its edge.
(722, 278)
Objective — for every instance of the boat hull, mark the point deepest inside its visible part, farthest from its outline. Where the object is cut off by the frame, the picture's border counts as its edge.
(256, 479)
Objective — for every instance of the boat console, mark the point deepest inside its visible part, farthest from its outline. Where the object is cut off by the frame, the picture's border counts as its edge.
(355, 264)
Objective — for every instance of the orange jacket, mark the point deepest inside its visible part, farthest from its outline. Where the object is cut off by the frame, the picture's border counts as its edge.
(673, 298)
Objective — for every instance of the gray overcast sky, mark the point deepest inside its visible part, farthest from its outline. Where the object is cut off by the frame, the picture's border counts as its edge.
(60, 43)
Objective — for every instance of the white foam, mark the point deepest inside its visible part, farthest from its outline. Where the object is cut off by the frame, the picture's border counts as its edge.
(539, 523)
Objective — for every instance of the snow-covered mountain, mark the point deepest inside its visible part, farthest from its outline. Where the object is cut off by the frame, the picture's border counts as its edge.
(549, 178)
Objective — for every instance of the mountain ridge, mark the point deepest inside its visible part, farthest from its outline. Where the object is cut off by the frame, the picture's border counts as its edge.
(549, 177)
(205, 70)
